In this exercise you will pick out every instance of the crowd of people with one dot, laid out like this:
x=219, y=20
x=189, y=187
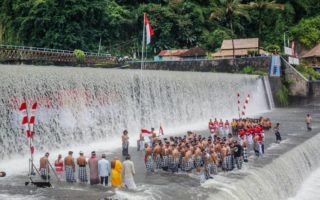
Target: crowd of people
x=225, y=149
x=99, y=170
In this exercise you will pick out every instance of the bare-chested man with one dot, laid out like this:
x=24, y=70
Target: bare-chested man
x=69, y=167
x=82, y=170
x=44, y=167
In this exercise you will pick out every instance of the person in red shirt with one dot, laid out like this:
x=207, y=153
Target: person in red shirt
x=58, y=165
x=221, y=124
x=215, y=125
x=227, y=127
x=211, y=126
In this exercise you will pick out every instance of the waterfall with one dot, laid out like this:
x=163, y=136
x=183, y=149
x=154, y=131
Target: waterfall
x=278, y=178
x=77, y=105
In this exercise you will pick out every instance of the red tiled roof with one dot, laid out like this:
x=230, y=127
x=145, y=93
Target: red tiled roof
x=177, y=52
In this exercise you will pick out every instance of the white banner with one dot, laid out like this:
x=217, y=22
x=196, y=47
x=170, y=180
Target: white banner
x=288, y=51
x=294, y=61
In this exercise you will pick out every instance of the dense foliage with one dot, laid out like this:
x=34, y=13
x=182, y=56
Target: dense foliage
x=79, y=24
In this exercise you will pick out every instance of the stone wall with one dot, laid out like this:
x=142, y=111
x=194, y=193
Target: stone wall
x=207, y=65
x=299, y=85
x=315, y=88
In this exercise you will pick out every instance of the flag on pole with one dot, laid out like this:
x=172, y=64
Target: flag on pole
x=145, y=131
x=149, y=30
x=161, y=130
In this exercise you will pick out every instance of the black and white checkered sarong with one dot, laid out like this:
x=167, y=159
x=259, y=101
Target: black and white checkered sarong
x=149, y=164
x=82, y=174
x=245, y=154
x=70, y=174
x=157, y=160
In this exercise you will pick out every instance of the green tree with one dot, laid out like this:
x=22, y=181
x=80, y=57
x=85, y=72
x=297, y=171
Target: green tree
x=227, y=11
x=262, y=6
x=307, y=31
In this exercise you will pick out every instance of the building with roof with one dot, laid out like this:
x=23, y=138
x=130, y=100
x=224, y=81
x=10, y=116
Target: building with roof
x=181, y=54
x=312, y=56
x=243, y=48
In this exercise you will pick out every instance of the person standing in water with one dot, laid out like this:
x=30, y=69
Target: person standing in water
x=82, y=170
x=44, y=167
x=125, y=143
x=93, y=165
x=104, y=170
x=308, y=121
x=70, y=167
x=116, y=177
x=58, y=165
x=277, y=133
x=129, y=172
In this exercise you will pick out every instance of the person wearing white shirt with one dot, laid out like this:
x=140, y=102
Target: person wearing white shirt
x=129, y=172
x=104, y=169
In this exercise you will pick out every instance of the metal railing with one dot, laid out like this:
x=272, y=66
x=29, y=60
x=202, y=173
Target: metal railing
x=51, y=50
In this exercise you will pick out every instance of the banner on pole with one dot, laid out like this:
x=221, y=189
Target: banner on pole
x=288, y=51
x=294, y=61
x=275, y=66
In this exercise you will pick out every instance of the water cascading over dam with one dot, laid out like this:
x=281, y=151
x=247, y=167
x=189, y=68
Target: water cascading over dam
x=86, y=104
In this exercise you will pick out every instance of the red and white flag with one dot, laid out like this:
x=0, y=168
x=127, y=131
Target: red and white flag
x=161, y=130
x=149, y=30
x=145, y=131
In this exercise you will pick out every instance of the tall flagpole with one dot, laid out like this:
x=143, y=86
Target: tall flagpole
x=142, y=64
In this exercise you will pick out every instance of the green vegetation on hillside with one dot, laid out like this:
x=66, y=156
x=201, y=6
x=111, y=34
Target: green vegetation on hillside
x=79, y=24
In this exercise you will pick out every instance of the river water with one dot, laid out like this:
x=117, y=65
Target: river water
x=86, y=109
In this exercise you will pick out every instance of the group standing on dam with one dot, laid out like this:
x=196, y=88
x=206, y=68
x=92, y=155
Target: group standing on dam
x=226, y=148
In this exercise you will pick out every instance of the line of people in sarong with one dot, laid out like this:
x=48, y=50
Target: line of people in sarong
x=100, y=170
x=206, y=155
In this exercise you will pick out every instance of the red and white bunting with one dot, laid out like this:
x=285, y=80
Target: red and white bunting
x=25, y=120
x=245, y=105
x=28, y=122
x=32, y=117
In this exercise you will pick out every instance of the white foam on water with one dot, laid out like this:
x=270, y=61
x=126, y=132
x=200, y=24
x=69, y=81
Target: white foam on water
x=21, y=197
x=310, y=188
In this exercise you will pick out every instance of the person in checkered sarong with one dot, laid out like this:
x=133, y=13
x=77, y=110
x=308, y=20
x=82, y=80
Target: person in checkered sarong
x=165, y=160
x=149, y=160
x=157, y=160
x=44, y=167
x=82, y=168
x=173, y=163
x=69, y=168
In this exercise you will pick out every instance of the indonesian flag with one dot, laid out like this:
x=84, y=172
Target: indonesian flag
x=145, y=131
x=149, y=30
x=161, y=130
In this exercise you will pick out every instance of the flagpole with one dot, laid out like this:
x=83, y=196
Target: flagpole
x=31, y=156
x=142, y=63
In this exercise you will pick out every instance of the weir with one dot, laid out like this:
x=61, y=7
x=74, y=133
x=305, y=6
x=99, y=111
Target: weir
x=279, y=176
x=83, y=105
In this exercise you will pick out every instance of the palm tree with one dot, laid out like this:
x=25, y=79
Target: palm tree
x=226, y=11
x=261, y=6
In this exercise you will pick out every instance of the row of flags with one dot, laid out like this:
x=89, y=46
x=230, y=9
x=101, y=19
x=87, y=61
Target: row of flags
x=244, y=107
